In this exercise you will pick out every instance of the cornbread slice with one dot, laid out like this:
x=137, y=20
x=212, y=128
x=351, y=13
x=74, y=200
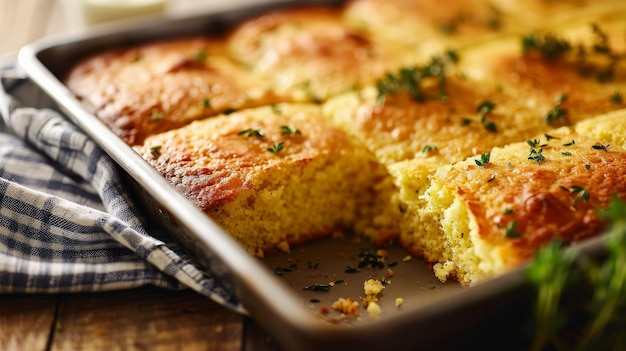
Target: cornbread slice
x=485, y=217
x=271, y=176
x=470, y=118
x=310, y=53
x=153, y=87
x=566, y=73
x=430, y=27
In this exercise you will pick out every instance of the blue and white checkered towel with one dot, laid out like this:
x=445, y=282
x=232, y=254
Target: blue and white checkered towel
x=66, y=222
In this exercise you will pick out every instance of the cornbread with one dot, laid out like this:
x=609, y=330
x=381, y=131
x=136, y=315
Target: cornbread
x=472, y=118
x=271, y=176
x=472, y=135
x=310, y=54
x=482, y=219
x=430, y=27
x=563, y=68
x=141, y=90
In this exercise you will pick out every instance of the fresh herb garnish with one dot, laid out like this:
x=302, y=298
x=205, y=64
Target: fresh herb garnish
x=288, y=130
x=601, y=147
x=206, y=102
x=276, y=147
x=201, y=55
x=595, y=318
x=550, y=137
x=429, y=148
x=276, y=109
x=252, y=132
x=581, y=193
x=511, y=230
x=369, y=257
x=617, y=97
x=535, y=154
x=155, y=150
x=280, y=271
x=484, y=108
x=409, y=79
x=351, y=269
x=548, y=45
x=318, y=287
x=558, y=115
x=484, y=159
x=156, y=115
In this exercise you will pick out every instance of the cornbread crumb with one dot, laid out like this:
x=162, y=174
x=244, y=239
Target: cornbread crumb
x=399, y=301
x=347, y=306
x=373, y=309
x=373, y=287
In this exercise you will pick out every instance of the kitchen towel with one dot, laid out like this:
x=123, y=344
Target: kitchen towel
x=66, y=221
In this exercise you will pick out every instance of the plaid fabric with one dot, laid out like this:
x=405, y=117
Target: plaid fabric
x=66, y=222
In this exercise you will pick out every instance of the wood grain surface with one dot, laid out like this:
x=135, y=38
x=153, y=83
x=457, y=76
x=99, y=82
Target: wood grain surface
x=147, y=318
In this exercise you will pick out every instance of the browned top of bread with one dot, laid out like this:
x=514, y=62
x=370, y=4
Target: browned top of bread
x=215, y=160
x=522, y=199
x=310, y=53
x=471, y=118
x=142, y=90
x=557, y=69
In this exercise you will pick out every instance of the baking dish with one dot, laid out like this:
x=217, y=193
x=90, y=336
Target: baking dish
x=274, y=289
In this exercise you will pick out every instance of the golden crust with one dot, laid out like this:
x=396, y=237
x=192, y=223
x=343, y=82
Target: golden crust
x=431, y=27
x=154, y=87
x=310, y=53
x=587, y=82
x=441, y=130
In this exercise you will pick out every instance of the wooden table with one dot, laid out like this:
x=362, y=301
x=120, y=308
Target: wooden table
x=147, y=318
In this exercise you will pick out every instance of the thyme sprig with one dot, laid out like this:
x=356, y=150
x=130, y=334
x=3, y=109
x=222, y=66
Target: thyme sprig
x=484, y=108
x=535, y=154
x=552, y=47
x=484, y=159
x=557, y=114
x=410, y=79
x=593, y=320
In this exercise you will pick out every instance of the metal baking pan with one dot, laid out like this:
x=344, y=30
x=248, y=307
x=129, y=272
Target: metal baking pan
x=492, y=315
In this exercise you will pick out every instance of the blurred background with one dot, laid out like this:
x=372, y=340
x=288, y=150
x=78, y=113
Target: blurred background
x=23, y=21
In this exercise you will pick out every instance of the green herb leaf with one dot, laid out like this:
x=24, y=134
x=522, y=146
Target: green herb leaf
x=288, y=130
x=511, y=230
x=601, y=147
x=429, y=148
x=548, y=45
x=581, y=193
x=484, y=159
x=252, y=132
x=276, y=147
x=617, y=98
x=155, y=150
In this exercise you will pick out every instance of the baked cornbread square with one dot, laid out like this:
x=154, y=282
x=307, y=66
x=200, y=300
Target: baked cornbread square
x=311, y=53
x=455, y=117
x=431, y=27
x=488, y=214
x=566, y=73
x=271, y=176
x=153, y=87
